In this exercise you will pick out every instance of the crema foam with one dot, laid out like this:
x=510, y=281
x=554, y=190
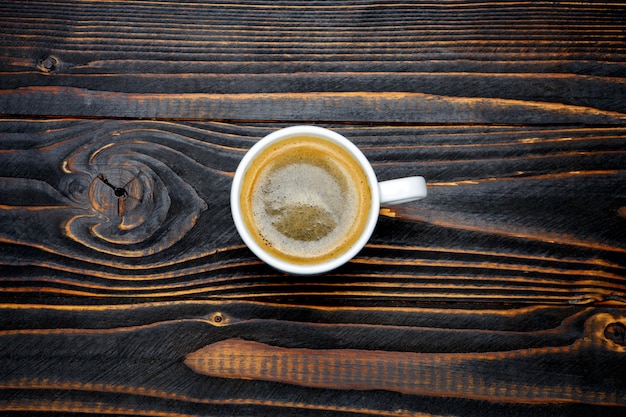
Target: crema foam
x=305, y=199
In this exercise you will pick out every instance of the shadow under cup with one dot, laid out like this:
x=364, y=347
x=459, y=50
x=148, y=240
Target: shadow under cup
x=305, y=200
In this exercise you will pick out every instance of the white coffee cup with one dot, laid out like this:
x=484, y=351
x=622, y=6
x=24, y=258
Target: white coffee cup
x=384, y=193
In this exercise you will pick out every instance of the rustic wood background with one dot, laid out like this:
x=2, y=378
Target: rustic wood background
x=501, y=294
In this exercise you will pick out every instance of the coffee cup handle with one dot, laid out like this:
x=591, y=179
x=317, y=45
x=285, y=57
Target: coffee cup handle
x=402, y=190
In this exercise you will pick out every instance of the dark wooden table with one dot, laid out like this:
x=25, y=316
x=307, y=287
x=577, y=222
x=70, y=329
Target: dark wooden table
x=501, y=294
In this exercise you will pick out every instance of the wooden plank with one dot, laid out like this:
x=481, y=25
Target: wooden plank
x=130, y=359
x=514, y=215
x=306, y=107
x=449, y=62
x=256, y=31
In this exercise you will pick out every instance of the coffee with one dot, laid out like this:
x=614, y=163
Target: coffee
x=305, y=199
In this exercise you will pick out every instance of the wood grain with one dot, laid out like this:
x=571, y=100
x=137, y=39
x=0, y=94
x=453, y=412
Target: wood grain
x=131, y=357
x=539, y=297
x=502, y=293
x=568, y=249
x=473, y=375
x=447, y=62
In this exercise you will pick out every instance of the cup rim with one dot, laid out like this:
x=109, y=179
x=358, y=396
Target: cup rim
x=290, y=267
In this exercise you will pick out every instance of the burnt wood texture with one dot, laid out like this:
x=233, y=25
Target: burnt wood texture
x=125, y=289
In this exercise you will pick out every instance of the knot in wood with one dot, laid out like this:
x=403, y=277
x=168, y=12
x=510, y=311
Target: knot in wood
x=48, y=64
x=219, y=319
x=138, y=205
x=616, y=332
